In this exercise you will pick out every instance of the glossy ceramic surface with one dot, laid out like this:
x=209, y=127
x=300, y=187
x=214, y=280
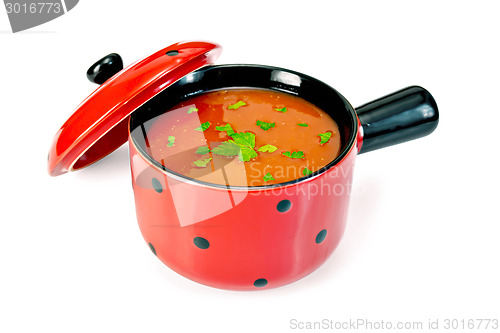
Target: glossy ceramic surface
x=243, y=238
x=404, y=115
x=105, y=68
x=231, y=237
x=99, y=124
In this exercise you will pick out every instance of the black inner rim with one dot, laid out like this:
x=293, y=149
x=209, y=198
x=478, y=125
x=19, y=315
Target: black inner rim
x=249, y=76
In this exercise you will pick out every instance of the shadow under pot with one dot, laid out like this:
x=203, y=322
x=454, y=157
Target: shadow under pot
x=232, y=235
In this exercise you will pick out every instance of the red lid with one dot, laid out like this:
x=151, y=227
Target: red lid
x=99, y=124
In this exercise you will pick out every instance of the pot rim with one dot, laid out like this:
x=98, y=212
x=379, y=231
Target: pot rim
x=348, y=147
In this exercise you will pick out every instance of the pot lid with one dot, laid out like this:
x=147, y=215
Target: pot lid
x=99, y=125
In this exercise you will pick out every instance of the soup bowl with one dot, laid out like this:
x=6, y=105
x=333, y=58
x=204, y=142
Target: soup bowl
x=225, y=236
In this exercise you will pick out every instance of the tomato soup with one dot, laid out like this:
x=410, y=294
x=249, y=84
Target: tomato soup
x=244, y=137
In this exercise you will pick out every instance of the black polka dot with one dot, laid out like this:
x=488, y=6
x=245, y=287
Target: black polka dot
x=152, y=248
x=259, y=283
x=157, y=185
x=320, y=237
x=201, y=242
x=283, y=205
x=172, y=53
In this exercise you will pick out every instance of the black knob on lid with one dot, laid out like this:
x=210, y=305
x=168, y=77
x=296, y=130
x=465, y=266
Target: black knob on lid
x=105, y=68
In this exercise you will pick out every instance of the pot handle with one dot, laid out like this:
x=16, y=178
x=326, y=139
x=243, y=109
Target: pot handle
x=404, y=115
x=105, y=68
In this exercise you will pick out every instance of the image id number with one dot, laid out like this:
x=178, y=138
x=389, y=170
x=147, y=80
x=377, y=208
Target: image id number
x=471, y=324
x=33, y=8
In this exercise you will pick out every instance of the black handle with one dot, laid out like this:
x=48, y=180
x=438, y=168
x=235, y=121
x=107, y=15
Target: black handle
x=404, y=115
x=105, y=68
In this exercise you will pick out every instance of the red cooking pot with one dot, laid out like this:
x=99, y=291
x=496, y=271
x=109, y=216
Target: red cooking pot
x=230, y=237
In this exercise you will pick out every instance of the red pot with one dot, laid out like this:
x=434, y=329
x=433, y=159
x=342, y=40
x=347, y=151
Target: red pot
x=231, y=237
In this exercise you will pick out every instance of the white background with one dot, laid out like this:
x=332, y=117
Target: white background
x=423, y=239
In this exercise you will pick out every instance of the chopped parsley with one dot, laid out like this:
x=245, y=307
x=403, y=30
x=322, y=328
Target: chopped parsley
x=281, y=109
x=244, y=139
x=242, y=145
x=226, y=128
x=306, y=171
x=203, y=127
x=193, y=109
x=294, y=154
x=236, y=105
x=227, y=148
x=264, y=125
x=268, y=177
x=202, y=163
x=325, y=137
x=302, y=124
x=202, y=150
x=246, y=154
x=171, y=141
x=268, y=149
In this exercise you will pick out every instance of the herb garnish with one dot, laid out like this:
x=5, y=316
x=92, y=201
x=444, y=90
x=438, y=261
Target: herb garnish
x=268, y=148
x=236, y=105
x=242, y=145
x=303, y=124
x=306, y=171
x=227, y=148
x=265, y=125
x=203, y=127
x=246, y=141
x=281, y=110
x=294, y=154
x=202, y=150
x=246, y=154
x=202, y=163
x=192, y=109
x=226, y=128
x=171, y=141
x=325, y=137
x=268, y=177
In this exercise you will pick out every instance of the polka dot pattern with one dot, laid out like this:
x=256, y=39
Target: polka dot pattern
x=201, y=242
x=152, y=248
x=284, y=205
x=157, y=185
x=259, y=283
x=320, y=237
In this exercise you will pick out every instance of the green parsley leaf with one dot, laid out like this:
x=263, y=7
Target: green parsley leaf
x=303, y=124
x=268, y=177
x=227, y=148
x=306, y=172
x=171, y=141
x=191, y=110
x=244, y=139
x=281, y=110
x=230, y=148
x=295, y=154
x=202, y=163
x=202, y=150
x=236, y=105
x=246, y=154
x=264, y=125
x=242, y=145
x=268, y=148
x=325, y=137
x=203, y=127
x=226, y=128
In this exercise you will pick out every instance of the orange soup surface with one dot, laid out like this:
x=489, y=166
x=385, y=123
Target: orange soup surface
x=244, y=137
